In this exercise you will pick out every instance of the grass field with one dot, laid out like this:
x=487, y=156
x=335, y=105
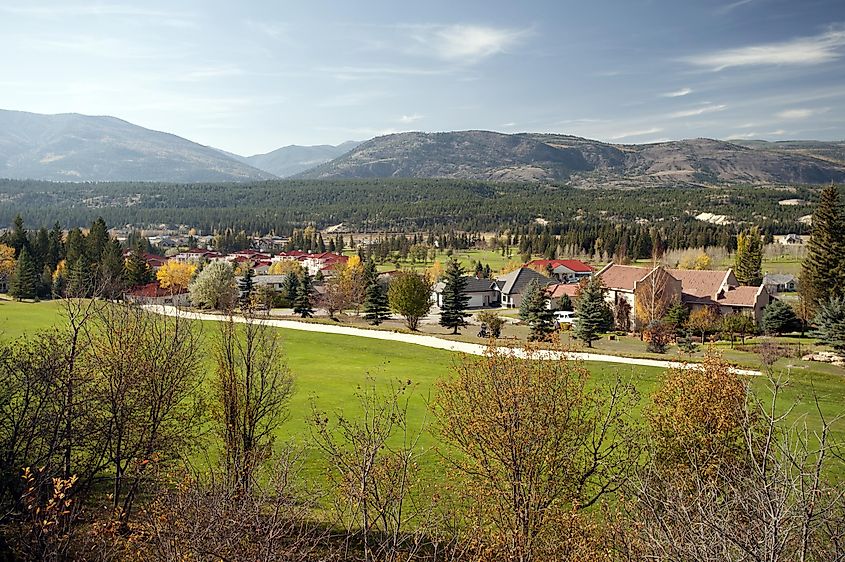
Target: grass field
x=329, y=368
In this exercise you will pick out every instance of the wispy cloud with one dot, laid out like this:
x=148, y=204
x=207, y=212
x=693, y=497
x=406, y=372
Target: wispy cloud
x=677, y=93
x=818, y=49
x=632, y=134
x=465, y=43
x=406, y=119
x=700, y=110
x=728, y=8
x=800, y=113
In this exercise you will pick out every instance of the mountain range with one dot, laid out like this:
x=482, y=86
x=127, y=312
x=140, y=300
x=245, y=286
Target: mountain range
x=73, y=147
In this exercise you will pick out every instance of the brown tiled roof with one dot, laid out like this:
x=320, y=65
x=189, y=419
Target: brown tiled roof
x=740, y=296
x=574, y=265
x=622, y=276
x=699, y=284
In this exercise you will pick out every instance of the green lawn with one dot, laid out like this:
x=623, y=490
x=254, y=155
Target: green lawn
x=330, y=368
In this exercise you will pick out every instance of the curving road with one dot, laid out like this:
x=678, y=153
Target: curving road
x=427, y=341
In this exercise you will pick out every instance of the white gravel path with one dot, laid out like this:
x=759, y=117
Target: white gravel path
x=427, y=341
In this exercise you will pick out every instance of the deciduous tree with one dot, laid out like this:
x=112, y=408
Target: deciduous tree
x=214, y=287
x=409, y=295
x=748, y=262
x=175, y=275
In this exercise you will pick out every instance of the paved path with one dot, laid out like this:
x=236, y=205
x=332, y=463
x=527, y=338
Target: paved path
x=427, y=341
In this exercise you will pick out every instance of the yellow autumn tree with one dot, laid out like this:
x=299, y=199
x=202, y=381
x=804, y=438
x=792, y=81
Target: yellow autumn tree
x=284, y=267
x=435, y=272
x=7, y=260
x=175, y=275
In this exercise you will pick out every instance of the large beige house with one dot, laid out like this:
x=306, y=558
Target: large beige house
x=695, y=288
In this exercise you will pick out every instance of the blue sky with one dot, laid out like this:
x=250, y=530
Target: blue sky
x=250, y=77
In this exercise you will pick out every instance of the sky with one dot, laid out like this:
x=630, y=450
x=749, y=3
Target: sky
x=252, y=76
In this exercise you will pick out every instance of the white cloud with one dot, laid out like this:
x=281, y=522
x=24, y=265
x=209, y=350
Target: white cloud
x=465, y=43
x=800, y=113
x=707, y=108
x=640, y=133
x=728, y=8
x=677, y=93
x=410, y=118
x=818, y=49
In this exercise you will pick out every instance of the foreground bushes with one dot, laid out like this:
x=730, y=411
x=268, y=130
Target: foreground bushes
x=99, y=423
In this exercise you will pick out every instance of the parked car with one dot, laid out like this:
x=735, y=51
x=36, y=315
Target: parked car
x=565, y=316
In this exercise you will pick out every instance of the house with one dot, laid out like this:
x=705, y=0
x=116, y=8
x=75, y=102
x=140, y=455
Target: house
x=154, y=261
x=696, y=288
x=275, y=282
x=511, y=286
x=623, y=282
x=196, y=256
x=556, y=291
x=780, y=283
x=325, y=262
x=153, y=293
x=791, y=239
x=565, y=271
x=481, y=292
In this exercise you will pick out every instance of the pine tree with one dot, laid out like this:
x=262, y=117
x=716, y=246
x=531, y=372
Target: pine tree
x=45, y=283
x=290, y=287
x=748, y=265
x=593, y=314
x=376, y=307
x=533, y=311
x=110, y=271
x=823, y=270
x=780, y=318
x=137, y=271
x=24, y=282
x=246, y=286
x=830, y=323
x=302, y=302
x=455, y=300
x=80, y=282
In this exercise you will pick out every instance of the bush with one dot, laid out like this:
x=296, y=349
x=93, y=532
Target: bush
x=657, y=335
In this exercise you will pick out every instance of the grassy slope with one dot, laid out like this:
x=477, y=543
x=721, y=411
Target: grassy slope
x=330, y=367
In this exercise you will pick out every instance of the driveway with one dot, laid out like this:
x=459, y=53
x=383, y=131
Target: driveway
x=429, y=341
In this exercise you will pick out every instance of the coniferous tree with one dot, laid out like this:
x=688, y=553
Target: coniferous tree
x=55, y=248
x=830, y=323
x=110, y=271
x=748, y=264
x=593, y=314
x=45, y=283
x=24, y=282
x=780, y=318
x=80, y=282
x=376, y=306
x=246, y=286
x=137, y=271
x=453, y=312
x=290, y=287
x=533, y=311
x=823, y=269
x=302, y=302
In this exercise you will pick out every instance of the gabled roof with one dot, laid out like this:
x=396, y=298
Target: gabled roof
x=516, y=280
x=779, y=279
x=558, y=290
x=622, y=277
x=573, y=265
x=701, y=284
x=740, y=296
x=474, y=285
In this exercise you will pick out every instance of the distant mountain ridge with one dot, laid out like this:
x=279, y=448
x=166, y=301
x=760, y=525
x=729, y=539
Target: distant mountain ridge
x=74, y=147
x=486, y=155
x=291, y=160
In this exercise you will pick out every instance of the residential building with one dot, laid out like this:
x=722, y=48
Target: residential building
x=153, y=293
x=511, y=286
x=780, y=283
x=564, y=271
x=696, y=288
x=481, y=292
x=791, y=239
x=558, y=290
